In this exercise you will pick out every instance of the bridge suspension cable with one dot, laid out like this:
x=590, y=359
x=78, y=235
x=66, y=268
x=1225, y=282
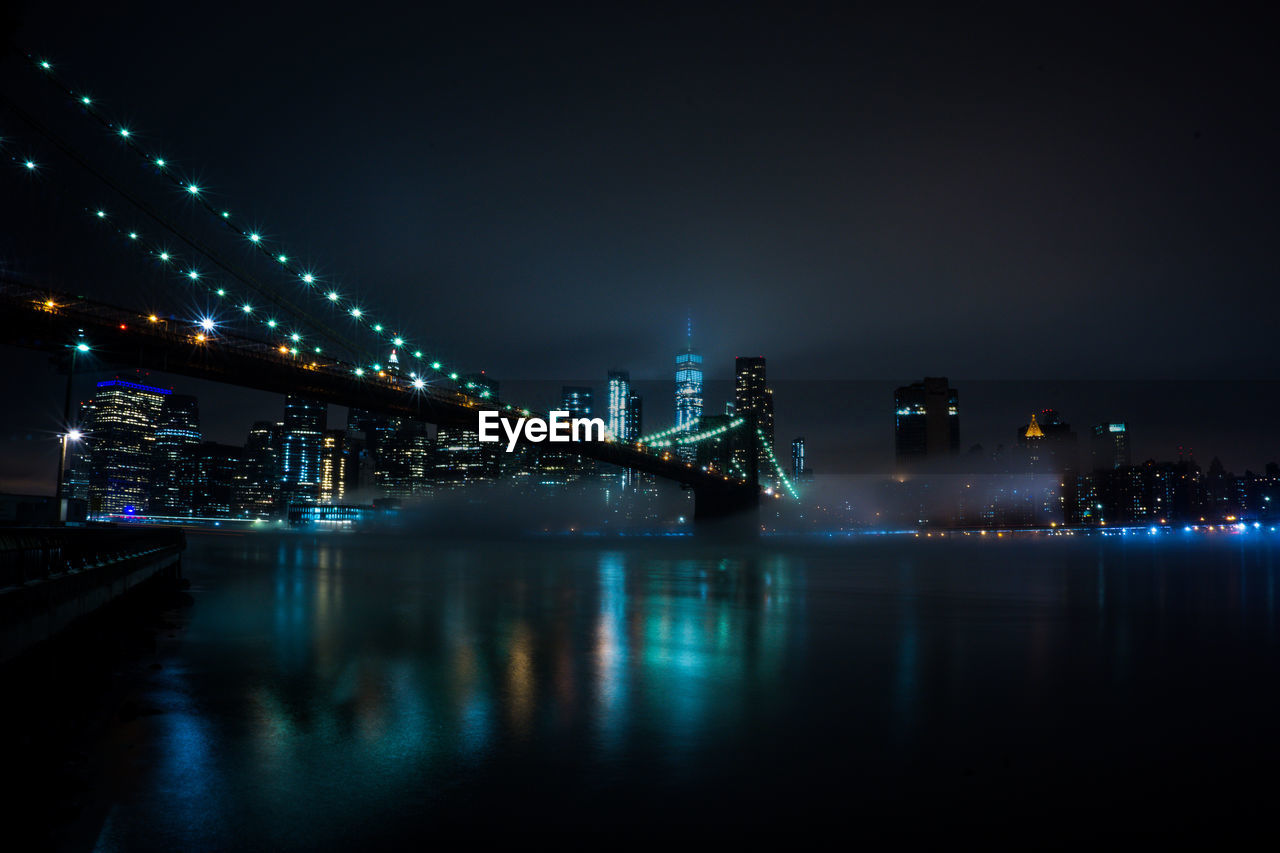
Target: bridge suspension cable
x=273, y=250
x=163, y=253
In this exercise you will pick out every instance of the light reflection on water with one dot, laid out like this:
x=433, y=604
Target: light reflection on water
x=331, y=690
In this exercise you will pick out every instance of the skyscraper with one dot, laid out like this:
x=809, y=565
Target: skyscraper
x=754, y=401
x=618, y=422
x=257, y=480
x=688, y=388
x=208, y=478
x=1110, y=446
x=1047, y=441
x=368, y=437
x=552, y=467
x=122, y=433
x=926, y=420
x=177, y=429
x=797, y=457
x=635, y=417
x=333, y=466
x=304, y=423
x=460, y=458
x=404, y=460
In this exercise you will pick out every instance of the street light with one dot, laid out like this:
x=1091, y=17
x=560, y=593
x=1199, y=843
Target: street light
x=61, y=501
x=72, y=434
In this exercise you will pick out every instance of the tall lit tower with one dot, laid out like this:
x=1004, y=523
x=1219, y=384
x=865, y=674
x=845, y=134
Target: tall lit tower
x=753, y=400
x=688, y=389
x=797, y=458
x=301, y=448
x=177, y=430
x=619, y=422
x=926, y=420
x=122, y=426
x=688, y=386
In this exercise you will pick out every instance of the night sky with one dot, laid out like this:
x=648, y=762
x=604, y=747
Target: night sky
x=1028, y=202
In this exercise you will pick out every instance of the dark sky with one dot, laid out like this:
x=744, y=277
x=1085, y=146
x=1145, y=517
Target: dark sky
x=863, y=196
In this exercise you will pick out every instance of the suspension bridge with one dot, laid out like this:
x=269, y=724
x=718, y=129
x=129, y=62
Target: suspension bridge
x=280, y=334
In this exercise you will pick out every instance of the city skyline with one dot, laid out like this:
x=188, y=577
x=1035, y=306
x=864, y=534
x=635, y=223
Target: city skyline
x=628, y=419
x=1172, y=415
x=140, y=451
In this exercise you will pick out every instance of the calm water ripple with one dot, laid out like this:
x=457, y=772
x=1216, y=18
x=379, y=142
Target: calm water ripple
x=337, y=692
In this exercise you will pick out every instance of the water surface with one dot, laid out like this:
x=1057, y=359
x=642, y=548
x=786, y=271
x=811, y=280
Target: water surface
x=331, y=692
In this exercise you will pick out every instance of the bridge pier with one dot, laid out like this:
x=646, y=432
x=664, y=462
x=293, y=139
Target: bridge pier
x=711, y=502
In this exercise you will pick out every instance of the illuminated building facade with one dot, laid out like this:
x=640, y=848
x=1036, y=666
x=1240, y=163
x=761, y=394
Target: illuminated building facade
x=753, y=400
x=333, y=466
x=208, y=479
x=368, y=436
x=688, y=389
x=619, y=421
x=798, y=468
x=1047, y=442
x=257, y=482
x=635, y=416
x=177, y=430
x=1110, y=446
x=926, y=420
x=304, y=424
x=404, y=460
x=548, y=467
x=121, y=437
x=460, y=458
x=576, y=400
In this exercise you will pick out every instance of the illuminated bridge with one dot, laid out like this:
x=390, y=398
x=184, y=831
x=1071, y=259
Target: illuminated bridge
x=277, y=333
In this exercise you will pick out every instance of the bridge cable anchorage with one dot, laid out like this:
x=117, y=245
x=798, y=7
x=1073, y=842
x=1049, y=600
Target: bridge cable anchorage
x=281, y=259
x=195, y=244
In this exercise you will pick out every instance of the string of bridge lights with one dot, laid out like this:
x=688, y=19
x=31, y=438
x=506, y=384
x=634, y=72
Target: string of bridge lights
x=272, y=250
x=188, y=272
x=660, y=440
x=656, y=439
